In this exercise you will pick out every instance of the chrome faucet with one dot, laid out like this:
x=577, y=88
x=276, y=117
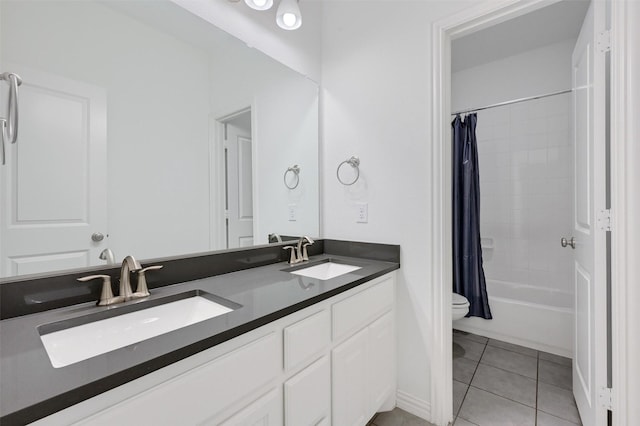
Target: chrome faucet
x=129, y=264
x=299, y=252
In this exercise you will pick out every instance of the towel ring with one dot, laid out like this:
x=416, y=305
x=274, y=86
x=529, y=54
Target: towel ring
x=353, y=162
x=295, y=169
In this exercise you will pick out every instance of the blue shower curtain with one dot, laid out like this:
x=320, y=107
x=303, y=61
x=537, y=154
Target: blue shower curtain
x=468, y=275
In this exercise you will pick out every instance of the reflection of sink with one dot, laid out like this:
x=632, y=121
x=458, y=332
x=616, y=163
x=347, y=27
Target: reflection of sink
x=326, y=270
x=77, y=339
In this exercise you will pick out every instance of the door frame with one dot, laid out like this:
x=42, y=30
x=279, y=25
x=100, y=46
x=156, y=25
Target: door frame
x=468, y=21
x=625, y=210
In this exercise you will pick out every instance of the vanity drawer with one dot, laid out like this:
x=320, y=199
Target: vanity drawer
x=201, y=393
x=305, y=339
x=359, y=310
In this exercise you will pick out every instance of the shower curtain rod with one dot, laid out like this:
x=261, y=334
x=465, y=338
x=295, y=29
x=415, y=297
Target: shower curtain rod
x=515, y=101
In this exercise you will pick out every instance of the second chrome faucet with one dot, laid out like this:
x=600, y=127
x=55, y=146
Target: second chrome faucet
x=299, y=252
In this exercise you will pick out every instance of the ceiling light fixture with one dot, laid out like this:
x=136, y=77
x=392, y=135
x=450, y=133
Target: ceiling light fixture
x=288, y=16
x=259, y=4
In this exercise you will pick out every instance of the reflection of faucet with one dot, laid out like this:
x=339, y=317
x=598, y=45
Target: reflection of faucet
x=129, y=264
x=274, y=238
x=304, y=286
x=107, y=254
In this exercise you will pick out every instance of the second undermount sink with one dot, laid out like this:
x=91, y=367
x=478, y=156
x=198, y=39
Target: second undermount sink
x=326, y=270
x=71, y=341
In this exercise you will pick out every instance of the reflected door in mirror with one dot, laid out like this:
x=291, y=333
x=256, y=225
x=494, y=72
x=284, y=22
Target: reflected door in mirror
x=239, y=177
x=54, y=186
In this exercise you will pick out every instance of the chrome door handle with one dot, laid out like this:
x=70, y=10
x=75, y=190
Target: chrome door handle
x=97, y=236
x=564, y=242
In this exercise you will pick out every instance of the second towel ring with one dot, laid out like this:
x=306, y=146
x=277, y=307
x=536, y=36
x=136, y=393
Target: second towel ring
x=353, y=162
x=295, y=169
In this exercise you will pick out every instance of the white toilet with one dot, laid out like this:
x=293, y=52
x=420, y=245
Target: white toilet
x=459, y=306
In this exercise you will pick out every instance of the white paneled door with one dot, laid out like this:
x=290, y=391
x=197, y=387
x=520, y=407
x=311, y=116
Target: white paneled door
x=53, y=188
x=590, y=365
x=239, y=181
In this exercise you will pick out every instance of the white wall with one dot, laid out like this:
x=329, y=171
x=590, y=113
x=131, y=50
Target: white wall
x=537, y=71
x=376, y=100
x=526, y=165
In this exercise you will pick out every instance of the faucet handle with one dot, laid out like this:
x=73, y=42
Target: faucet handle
x=142, y=289
x=106, y=296
x=293, y=258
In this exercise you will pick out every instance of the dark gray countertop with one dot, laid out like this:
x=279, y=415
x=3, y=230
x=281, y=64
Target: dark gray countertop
x=30, y=388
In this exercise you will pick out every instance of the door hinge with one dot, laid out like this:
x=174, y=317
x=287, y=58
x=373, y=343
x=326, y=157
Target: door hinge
x=604, y=220
x=606, y=398
x=603, y=41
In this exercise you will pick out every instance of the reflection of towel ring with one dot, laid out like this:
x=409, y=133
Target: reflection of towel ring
x=296, y=171
x=353, y=162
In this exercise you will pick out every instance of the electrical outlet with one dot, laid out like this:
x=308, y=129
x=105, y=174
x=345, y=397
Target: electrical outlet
x=362, y=211
x=293, y=212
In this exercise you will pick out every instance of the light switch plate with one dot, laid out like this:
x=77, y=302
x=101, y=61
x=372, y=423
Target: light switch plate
x=362, y=211
x=293, y=213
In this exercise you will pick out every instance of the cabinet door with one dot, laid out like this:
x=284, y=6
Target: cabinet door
x=381, y=360
x=266, y=411
x=350, y=401
x=307, y=400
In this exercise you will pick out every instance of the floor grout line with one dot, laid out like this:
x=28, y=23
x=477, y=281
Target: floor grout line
x=516, y=352
x=502, y=396
x=537, y=381
x=508, y=371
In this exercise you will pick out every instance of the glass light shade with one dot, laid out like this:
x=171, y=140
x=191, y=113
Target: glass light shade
x=259, y=4
x=288, y=15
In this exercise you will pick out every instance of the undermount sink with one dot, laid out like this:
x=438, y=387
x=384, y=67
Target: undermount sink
x=326, y=270
x=71, y=341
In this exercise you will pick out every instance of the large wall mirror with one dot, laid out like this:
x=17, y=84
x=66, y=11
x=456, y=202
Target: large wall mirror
x=145, y=130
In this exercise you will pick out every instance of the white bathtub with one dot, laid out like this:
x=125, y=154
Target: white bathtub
x=530, y=316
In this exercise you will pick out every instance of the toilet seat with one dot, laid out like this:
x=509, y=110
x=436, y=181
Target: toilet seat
x=459, y=300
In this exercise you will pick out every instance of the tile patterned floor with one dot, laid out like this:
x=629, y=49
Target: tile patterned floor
x=500, y=384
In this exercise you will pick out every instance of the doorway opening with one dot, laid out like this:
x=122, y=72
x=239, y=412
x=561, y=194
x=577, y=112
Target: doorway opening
x=235, y=164
x=522, y=148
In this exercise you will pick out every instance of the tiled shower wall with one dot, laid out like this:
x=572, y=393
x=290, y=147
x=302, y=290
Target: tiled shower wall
x=526, y=173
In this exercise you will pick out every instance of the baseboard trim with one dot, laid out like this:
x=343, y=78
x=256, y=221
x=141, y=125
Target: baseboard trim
x=416, y=406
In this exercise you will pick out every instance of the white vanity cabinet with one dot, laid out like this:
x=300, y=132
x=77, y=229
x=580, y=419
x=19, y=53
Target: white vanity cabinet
x=330, y=363
x=363, y=364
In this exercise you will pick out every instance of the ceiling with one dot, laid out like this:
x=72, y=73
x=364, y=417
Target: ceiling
x=557, y=22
